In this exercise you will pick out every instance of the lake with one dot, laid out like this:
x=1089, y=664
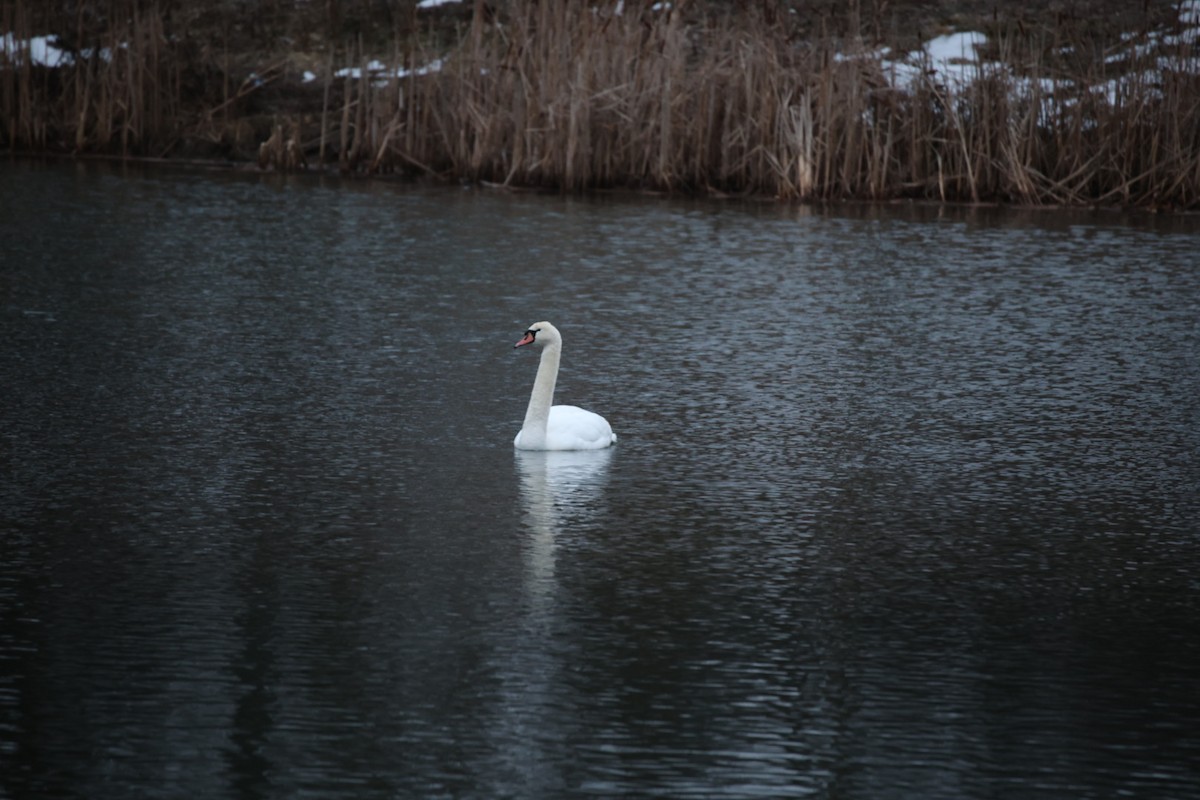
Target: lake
x=905, y=502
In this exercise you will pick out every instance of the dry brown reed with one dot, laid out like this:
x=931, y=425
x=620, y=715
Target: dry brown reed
x=576, y=96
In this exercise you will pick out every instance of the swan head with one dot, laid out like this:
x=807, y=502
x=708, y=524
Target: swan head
x=542, y=334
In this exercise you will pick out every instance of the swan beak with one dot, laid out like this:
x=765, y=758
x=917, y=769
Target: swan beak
x=526, y=339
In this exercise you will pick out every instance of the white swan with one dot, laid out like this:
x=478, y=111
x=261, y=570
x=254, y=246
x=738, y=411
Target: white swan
x=549, y=427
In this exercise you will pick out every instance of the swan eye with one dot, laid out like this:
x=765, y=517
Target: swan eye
x=533, y=331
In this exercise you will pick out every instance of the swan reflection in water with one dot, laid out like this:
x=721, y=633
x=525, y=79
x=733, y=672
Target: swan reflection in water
x=560, y=492
x=532, y=708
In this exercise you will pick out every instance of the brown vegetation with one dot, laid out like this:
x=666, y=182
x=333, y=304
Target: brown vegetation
x=571, y=94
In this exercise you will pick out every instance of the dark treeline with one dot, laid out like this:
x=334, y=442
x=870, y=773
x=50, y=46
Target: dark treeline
x=766, y=98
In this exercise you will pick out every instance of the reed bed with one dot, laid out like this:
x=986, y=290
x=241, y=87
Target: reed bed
x=575, y=96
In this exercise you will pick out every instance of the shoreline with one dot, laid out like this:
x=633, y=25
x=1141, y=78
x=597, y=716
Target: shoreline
x=699, y=103
x=249, y=168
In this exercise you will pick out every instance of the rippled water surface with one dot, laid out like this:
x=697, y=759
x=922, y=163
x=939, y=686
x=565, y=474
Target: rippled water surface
x=905, y=502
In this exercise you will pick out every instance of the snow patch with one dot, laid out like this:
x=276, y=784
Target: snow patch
x=380, y=74
x=42, y=51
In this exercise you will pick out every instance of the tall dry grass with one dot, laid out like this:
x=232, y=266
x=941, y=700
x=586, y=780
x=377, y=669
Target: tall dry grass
x=576, y=96
x=121, y=92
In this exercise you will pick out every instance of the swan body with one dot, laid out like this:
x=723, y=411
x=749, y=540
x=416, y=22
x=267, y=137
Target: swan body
x=551, y=427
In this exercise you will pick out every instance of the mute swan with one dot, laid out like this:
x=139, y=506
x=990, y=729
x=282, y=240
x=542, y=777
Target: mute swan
x=549, y=427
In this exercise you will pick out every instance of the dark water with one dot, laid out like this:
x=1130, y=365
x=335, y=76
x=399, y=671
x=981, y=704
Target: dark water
x=905, y=502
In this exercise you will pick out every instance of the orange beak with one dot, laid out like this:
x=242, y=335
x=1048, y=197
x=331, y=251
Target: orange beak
x=526, y=339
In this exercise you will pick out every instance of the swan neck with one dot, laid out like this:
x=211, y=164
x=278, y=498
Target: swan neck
x=537, y=416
